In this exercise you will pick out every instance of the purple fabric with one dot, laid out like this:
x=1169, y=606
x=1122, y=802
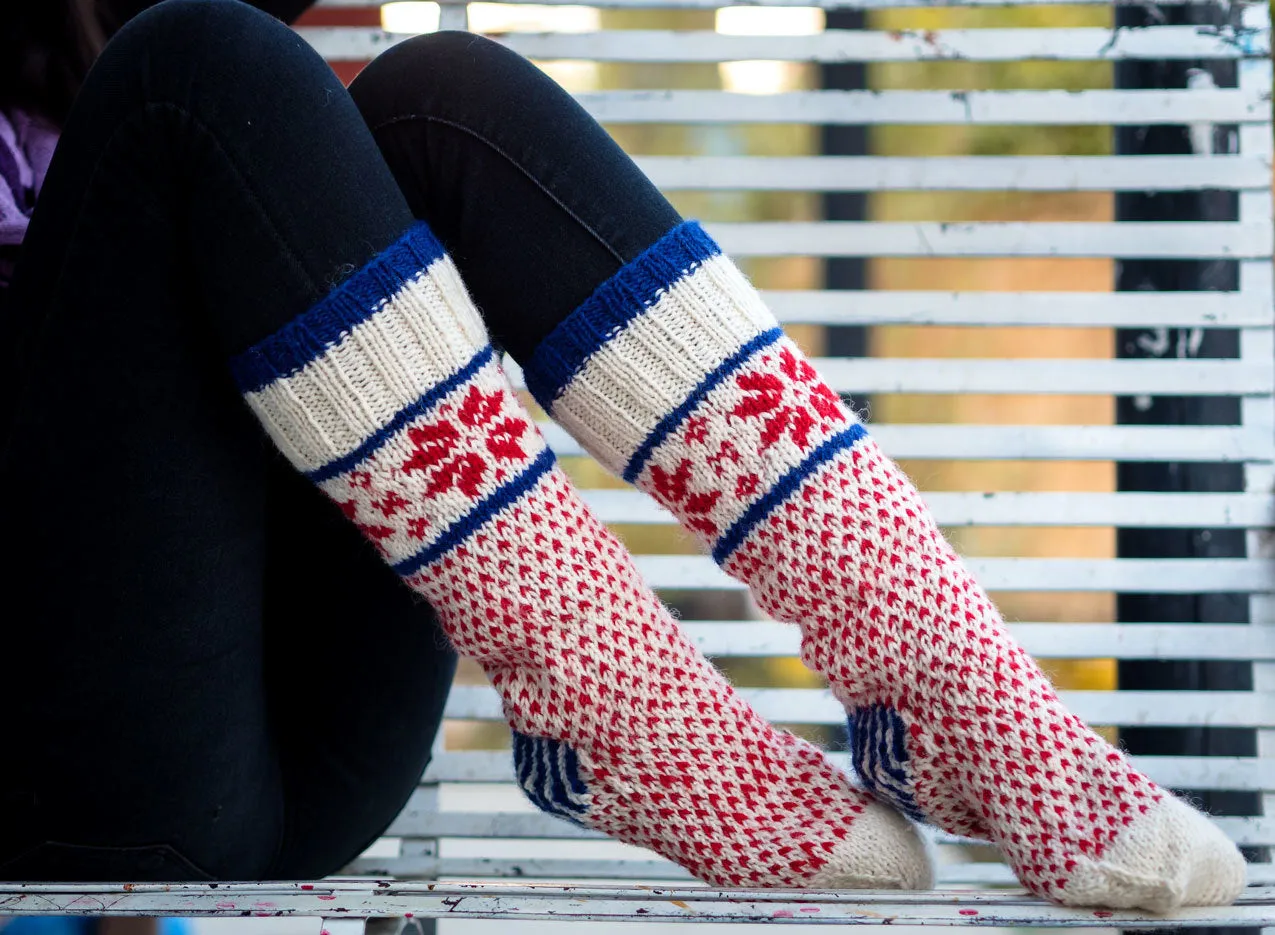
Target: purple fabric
x=26, y=147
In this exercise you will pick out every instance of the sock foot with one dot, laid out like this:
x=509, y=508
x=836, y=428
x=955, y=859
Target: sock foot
x=388, y=396
x=675, y=376
x=1172, y=856
x=885, y=853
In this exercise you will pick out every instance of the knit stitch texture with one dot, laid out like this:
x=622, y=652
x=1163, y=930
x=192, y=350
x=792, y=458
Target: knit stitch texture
x=388, y=396
x=686, y=385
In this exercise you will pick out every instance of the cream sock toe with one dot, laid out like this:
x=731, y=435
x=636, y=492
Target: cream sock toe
x=1170, y=857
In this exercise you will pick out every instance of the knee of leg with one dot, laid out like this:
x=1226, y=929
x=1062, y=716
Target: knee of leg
x=183, y=44
x=458, y=67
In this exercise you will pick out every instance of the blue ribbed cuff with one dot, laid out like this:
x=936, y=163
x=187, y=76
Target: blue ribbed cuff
x=352, y=302
x=637, y=286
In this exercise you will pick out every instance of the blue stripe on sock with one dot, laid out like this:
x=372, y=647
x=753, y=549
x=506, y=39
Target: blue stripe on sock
x=879, y=753
x=623, y=297
x=555, y=786
x=762, y=508
x=484, y=510
x=422, y=404
x=671, y=421
x=522, y=762
x=549, y=774
x=573, y=773
x=352, y=302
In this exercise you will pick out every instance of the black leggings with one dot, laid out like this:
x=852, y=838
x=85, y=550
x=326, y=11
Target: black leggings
x=186, y=697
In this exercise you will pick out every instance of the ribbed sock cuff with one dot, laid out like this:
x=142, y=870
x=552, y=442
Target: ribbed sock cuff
x=366, y=357
x=646, y=343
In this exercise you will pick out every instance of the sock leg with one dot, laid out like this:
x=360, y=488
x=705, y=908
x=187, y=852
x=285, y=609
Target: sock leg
x=675, y=376
x=388, y=397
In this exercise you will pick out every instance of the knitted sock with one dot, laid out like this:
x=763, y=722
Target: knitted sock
x=676, y=377
x=388, y=396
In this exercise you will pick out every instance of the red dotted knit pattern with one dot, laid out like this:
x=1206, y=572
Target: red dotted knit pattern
x=891, y=617
x=580, y=650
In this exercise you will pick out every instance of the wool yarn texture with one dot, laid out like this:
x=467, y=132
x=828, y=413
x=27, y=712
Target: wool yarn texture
x=389, y=397
x=676, y=377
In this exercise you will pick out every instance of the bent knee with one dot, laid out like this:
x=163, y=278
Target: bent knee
x=180, y=43
x=446, y=67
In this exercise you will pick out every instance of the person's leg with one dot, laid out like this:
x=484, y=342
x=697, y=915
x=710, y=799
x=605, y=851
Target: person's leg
x=531, y=197
x=213, y=181
x=648, y=345
x=385, y=393
x=357, y=675
x=676, y=377
x=388, y=396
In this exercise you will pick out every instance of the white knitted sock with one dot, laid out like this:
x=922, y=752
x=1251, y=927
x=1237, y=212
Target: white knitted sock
x=676, y=377
x=388, y=396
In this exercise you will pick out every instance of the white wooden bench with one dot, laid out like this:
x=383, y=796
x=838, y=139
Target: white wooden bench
x=466, y=822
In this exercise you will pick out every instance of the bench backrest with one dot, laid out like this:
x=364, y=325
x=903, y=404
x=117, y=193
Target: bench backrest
x=1020, y=454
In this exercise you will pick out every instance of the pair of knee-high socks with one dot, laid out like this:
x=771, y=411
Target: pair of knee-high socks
x=674, y=375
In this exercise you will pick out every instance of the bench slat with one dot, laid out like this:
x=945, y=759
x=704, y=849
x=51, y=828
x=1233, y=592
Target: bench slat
x=1074, y=377
x=1146, y=576
x=1125, y=708
x=957, y=173
x=372, y=898
x=743, y=638
x=1033, y=309
x=1048, y=442
x=824, y=4
x=1219, y=510
x=1241, y=774
x=412, y=822
x=833, y=45
x=962, y=874
x=541, y=868
x=1152, y=240
x=875, y=45
x=1039, y=108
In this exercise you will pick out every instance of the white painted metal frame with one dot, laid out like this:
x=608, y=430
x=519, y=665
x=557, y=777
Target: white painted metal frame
x=344, y=906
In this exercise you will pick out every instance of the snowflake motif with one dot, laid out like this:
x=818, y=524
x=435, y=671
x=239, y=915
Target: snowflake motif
x=765, y=400
x=435, y=445
x=746, y=485
x=376, y=534
x=391, y=503
x=727, y=454
x=696, y=430
x=675, y=488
